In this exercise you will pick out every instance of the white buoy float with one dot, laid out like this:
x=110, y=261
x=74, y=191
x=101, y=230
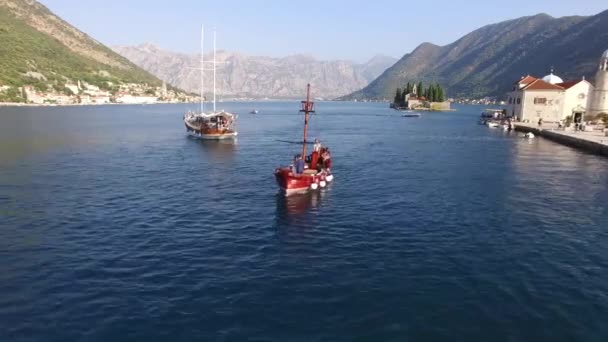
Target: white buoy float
x=322, y=183
x=314, y=186
x=329, y=178
x=529, y=135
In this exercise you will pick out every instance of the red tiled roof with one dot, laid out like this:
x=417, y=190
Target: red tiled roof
x=542, y=85
x=569, y=84
x=527, y=80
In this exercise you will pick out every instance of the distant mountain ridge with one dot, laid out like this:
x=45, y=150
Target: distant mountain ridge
x=258, y=76
x=486, y=61
x=38, y=46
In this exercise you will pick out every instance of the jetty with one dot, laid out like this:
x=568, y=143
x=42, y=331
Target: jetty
x=594, y=141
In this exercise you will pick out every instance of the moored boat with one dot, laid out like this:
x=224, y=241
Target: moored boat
x=492, y=114
x=255, y=111
x=411, y=115
x=307, y=172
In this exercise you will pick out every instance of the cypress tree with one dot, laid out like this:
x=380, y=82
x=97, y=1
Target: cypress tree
x=433, y=92
x=408, y=88
x=398, y=96
x=420, y=90
x=440, y=95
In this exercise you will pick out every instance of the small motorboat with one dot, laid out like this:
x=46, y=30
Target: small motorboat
x=492, y=124
x=411, y=115
x=255, y=111
x=529, y=135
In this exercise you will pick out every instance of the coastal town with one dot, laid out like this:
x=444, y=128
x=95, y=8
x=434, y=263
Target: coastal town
x=83, y=93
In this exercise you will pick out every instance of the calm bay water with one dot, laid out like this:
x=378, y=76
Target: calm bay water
x=115, y=226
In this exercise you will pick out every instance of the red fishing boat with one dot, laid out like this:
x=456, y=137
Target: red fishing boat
x=308, y=172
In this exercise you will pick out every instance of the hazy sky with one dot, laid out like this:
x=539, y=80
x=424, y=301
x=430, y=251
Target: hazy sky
x=327, y=29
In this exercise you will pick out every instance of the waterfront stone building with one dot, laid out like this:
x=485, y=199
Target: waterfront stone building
x=552, y=99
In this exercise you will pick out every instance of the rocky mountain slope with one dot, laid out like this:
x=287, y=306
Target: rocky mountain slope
x=258, y=77
x=36, y=46
x=487, y=60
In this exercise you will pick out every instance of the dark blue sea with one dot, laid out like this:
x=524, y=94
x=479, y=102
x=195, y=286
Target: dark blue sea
x=116, y=226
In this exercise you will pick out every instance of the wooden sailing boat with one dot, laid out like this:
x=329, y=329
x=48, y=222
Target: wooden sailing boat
x=316, y=173
x=214, y=125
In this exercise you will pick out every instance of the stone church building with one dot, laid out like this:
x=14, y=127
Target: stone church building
x=552, y=99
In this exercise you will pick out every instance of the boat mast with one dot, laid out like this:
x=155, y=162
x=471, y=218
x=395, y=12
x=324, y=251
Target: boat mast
x=307, y=107
x=202, y=66
x=214, y=65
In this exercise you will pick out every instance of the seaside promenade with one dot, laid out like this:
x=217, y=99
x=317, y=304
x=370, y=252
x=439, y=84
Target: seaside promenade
x=591, y=140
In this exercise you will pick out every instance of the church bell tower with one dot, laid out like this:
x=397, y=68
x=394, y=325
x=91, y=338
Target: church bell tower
x=599, y=102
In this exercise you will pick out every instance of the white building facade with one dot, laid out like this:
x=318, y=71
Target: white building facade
x=552, y=99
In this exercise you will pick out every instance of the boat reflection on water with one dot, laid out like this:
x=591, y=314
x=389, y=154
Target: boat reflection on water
x=217, y=149
x=290, y=207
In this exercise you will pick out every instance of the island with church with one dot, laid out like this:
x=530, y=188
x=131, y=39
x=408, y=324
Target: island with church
x=417, y=97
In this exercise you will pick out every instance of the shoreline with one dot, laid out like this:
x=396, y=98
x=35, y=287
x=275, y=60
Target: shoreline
x=590, y=141
x=20, y=104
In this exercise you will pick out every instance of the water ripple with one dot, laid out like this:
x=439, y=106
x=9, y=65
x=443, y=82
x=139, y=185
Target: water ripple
x=435, y=229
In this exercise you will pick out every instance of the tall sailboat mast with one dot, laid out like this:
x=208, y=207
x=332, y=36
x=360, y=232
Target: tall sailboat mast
x=214, y=67
x=202, y=68
x=307, y=107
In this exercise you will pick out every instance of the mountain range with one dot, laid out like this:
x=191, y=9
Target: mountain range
x=241, y=75
x=488, y=60
x=36, y=46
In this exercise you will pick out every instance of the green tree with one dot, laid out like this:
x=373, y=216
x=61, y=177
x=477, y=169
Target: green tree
x=433, y=92
x=420, y=90
x=398, y=96
x=440, y=94
x=408, y=88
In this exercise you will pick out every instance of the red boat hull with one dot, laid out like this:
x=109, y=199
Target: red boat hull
x=291, y=183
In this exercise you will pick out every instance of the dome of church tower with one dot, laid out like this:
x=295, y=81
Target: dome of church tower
x=553, y=79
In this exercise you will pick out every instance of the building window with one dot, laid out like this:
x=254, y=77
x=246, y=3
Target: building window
x=518, y=100
x=510, y=100
x=540, y=100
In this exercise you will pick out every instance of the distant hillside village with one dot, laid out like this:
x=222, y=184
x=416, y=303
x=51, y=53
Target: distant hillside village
x=416, y=96
x=86, y=93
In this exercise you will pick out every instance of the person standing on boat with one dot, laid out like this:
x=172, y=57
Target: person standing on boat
x=298, y=165
x=540, y=123
x=326, y=160
x=315, y=154
x=317, y=146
